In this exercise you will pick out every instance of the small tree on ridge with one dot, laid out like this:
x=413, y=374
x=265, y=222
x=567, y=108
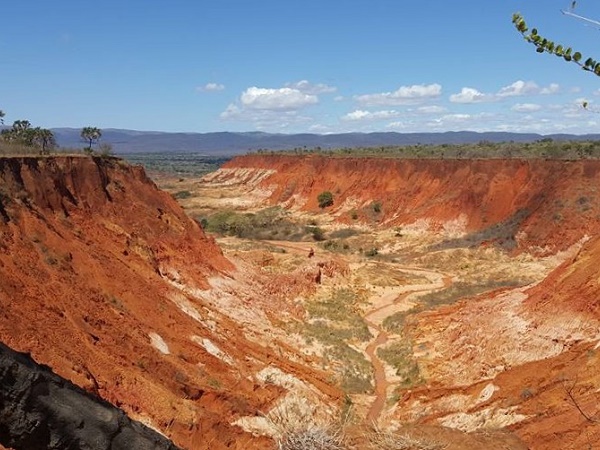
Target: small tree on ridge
x=91, y=136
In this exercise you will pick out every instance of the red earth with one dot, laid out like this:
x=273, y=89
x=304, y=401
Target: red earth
x=105, y=279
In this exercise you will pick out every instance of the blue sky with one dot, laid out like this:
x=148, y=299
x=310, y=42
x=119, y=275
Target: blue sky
x=295, y=66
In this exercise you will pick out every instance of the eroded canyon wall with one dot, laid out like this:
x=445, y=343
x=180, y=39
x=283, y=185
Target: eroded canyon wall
x=545, y=203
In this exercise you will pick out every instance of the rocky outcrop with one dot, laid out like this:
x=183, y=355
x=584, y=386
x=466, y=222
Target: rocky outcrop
x=40, y=410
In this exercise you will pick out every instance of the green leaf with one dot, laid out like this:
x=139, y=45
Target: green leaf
x=577, y=57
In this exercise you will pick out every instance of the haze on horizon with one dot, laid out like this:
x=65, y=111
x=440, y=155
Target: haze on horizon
x=291, y=67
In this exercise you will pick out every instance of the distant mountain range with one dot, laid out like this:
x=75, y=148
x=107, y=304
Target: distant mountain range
x=229, y=143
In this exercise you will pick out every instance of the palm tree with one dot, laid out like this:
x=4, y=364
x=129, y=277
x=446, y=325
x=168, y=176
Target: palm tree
x=19, y=126
x=45, y=139
x=91, y=135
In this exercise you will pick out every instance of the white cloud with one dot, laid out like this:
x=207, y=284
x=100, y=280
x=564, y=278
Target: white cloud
x=401, y=125
x=519, y=88
x=231, y=112
x=319, y=128
x=282, y=99
x=516, y=89
x=553, y=88
x=471, y=95
x=308, y=88
x=339, y=98
x=404, y=95
x=211, y=87
x=434, y=109
x=367, y=115
x=268, y=109
x=456, y=117
x=284, y=121
x=526, y=107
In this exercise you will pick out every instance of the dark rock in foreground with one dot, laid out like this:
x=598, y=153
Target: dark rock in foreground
x=40, y=410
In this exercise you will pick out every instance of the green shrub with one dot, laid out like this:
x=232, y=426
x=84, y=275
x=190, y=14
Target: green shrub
x=317, y=233
x=182, y=194
x=325, y=199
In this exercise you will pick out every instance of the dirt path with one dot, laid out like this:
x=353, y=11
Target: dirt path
x=386, y=305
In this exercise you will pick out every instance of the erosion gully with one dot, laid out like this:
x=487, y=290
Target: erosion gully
x=387, y=305
x=396, y=299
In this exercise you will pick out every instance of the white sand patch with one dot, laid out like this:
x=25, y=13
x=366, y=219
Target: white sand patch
x=418, y=227
x=486, y=418
x=295, y=202
x=186, y=306
x=211, y=348
x=487, y=393
x=158, y=343
x=246, y=176
x=455, y=228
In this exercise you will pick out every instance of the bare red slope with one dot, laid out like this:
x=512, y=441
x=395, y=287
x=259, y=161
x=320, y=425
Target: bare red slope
x=90, y=256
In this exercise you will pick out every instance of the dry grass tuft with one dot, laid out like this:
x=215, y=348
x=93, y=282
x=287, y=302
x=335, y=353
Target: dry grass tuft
x=387, y=440
x=299, y=429
x=312, y=438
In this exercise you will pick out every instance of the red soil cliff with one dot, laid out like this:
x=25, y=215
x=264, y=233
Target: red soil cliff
x=544, y=202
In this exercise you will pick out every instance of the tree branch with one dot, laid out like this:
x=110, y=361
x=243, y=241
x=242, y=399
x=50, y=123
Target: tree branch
x=543, y=44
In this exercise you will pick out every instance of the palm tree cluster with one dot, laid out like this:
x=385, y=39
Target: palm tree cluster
x=22, y=133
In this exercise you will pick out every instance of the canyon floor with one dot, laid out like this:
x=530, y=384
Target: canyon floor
x=413, y=331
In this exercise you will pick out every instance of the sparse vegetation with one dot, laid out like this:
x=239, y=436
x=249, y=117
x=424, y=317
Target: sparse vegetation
x=268, y=224
x=502, y=234
x=545, y=148
x=399, y=355
x=462, y=289
x=105, y=150
x=335, y=322
x=182, y=194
